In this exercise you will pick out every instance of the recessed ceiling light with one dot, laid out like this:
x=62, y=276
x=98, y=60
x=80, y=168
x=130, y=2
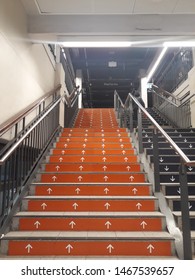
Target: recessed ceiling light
x=180, y=44
x=96, y=44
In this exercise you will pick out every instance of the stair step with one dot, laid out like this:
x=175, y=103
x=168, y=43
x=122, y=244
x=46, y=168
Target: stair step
x=92, y=152
x=92, y=177
x=52, y=203
x=108, y=167
x=89, y=243
x=92, y=159
x=86, y=223
x=114, y=190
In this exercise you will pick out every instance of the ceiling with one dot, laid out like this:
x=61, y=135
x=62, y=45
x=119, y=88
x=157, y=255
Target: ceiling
x=146, y=23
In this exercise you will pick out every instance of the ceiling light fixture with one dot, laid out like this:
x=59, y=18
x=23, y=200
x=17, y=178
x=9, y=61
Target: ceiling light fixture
x=179, y=44
x=156, y=64
x=92, y=44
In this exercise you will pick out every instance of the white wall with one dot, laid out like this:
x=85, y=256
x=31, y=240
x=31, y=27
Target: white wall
x=26, y=70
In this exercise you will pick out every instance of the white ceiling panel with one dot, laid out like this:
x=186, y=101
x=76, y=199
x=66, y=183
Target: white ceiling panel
x=113, y=7
x=154, y=6
x=85, y=6
x=185, y=6
x=65, y=6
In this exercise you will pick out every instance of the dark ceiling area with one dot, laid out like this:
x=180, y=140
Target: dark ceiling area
x=108, y=69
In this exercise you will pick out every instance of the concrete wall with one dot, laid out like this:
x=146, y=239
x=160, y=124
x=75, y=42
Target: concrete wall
x=27, y=71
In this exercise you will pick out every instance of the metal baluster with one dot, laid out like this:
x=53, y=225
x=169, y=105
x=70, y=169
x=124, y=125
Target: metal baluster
x=185, y=212
x=139, y=118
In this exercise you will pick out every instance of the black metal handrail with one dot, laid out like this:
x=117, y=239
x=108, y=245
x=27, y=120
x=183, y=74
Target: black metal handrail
x=22, y=154
x=185, y=161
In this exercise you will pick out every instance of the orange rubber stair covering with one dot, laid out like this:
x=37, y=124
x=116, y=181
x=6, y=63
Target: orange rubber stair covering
x=95, y=139
x=92, y=167
x=88, y=177
x=100, y=159
x=98, y=130
x=94, y=134
x=90, y=248
x=92, y=145
x=91, y=224
x=93, y=190
x=92, y=205
x=92, y=152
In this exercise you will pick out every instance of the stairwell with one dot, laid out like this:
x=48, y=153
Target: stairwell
x=91, y=198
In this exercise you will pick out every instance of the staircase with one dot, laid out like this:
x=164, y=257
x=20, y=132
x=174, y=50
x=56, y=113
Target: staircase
x=169, y=167
x=90, y=198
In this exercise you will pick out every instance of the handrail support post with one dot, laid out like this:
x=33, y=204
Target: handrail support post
x=156, y=161
x=139, y=122
x=187, y=248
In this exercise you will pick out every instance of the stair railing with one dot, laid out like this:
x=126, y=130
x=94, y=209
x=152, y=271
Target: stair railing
x=28, y=138
x=177, y=110
x=71, y=106
x=184, y=162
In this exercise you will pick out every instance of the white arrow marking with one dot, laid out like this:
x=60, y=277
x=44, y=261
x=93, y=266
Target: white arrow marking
x=123, y=152
x=103, y=135
x=120, y=140
x=128, y=167
x=150, y=248
x=189, y=205
x=37, y=224
x=102, y=130
x=105, y=178
x=122, y=146
x=81, y=168
x=138, y=205
x=146, y=135
x=179, y=191
x=75, y=205
x=107, y=205
x=86, y=134
x=104, y=159
x=161, y=159
x=172, y=179
x=69, y=248
x=134, y=191
x=143, y=224
x=69, y=134
x=149, y=141
x=190, y=168
x=185, y=140
x=65, y=145
x=103, y=152
x=166, y=168
x=83, y=152
x=54, y=178
x=180, y=135
x=119, y=135
x=131, y=178
x=125, y=159
x=108, y=224
x=63, y=152
x=43, y=205
x=57, y=167
x=190, y=146
x=60, y=159
x=152, y=146
x=103, y=145
x=84, y=145
x=82, y=159
x=104, y=167
x=106, y=190
x=103, y=140
x=110, y=248
x=118, y=130
x=72, y=224
x=80, y=178
x=49, y=190
x=77, y=190
x=86, y=130
x=68, y=140
x=28, y=247
x=85, y=139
